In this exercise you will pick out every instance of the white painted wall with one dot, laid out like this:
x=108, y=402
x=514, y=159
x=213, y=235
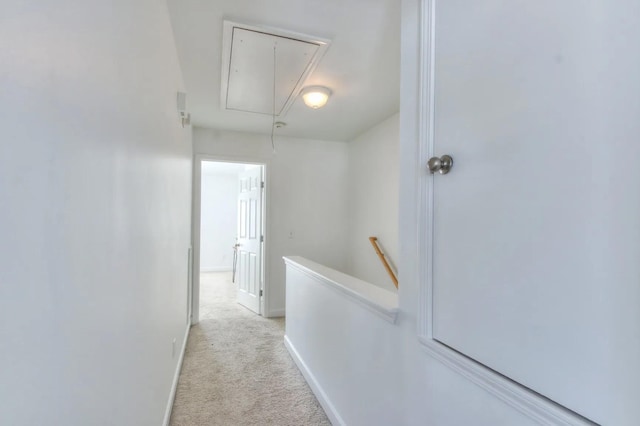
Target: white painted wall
x=306, y=198
x=95, y=189
x=368, y=371
x=373, y=201
x=391, y=379
x=218, y=221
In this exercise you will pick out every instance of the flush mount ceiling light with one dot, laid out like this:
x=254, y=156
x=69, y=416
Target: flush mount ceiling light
x=315, y=96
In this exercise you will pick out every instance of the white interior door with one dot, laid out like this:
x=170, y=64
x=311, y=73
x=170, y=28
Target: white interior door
x=249, y=268
x=537, y=226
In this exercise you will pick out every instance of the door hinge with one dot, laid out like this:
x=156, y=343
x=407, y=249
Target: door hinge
x=260, y=292
x=262, y=238
x=261, y=184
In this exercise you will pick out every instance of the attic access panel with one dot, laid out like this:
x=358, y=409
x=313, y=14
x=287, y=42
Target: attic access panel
x=248, y=67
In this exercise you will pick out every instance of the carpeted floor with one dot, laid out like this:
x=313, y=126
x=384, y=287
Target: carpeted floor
x=236, y=369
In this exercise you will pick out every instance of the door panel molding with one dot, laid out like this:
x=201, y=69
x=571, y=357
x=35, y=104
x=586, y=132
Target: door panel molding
x=250, y=198
x=526, y=401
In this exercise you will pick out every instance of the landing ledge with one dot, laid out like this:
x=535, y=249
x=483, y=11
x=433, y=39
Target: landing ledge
x=378, y=300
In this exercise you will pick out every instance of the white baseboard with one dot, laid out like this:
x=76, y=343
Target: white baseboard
x=317, y=390
x=216, y=269
x=176, y=376
x=276, y=313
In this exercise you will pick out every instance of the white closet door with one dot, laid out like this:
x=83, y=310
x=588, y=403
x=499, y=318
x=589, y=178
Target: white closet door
x=537, y=226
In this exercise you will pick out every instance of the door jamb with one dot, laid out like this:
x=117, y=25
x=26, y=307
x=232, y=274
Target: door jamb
x=195, y=228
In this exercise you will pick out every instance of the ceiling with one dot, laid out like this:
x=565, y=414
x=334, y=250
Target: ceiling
x=361, y=66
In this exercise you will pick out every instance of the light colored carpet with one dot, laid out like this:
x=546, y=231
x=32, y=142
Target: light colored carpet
x=236, y=370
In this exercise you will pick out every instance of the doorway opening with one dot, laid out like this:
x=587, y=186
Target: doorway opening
x=229, y=233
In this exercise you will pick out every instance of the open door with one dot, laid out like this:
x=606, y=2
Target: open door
x=249, y=269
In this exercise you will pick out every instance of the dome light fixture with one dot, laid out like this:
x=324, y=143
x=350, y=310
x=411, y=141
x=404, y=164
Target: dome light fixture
x=315, y=96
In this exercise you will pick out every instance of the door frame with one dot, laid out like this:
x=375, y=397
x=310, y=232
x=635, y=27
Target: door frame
x=195, y=228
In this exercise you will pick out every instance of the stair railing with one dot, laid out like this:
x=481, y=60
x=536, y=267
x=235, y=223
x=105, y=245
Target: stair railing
x=383, y=259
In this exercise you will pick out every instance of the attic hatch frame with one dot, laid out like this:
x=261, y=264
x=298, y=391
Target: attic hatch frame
x=227, y=41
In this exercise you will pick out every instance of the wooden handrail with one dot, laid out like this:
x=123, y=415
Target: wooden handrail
x=383, y=259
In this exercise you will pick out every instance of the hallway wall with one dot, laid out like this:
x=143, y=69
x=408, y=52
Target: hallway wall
x=306, y=198
x=95, y=178
x=218, y=221
x=373, y=201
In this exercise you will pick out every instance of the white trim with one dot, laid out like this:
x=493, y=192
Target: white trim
x=533, y=405
x=276, y=313
x=425, y=150
x=515, y=395
x=196, y=213
x=189, y=282
x=373, y=298
x=176, y=376
x=327, y=406
x=195, y=223
x=217, y=269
